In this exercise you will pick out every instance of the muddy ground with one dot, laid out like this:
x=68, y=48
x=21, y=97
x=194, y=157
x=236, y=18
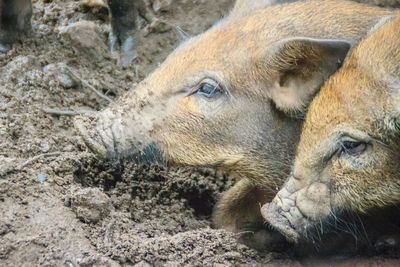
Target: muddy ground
x=59, y=205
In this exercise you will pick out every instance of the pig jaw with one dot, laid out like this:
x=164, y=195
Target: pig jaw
x=296, y=209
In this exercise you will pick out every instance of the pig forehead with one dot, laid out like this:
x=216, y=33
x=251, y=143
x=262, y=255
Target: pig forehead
x=221, y=47
x=227, y=52
x=347, y=99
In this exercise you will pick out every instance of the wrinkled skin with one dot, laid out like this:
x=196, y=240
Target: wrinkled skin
x=225, y=98
x=349, y=153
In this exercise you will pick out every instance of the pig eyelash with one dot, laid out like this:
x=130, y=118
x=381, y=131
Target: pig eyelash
x=353, y=148
x=393, y=123
x=378, y=141
x=216, y=89
x=209, y=88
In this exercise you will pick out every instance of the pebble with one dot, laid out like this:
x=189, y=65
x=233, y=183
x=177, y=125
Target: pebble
x=41, y=177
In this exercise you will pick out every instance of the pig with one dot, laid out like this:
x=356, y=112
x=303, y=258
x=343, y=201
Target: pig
x=124, y=15
x=233, y=97
x=348, y=158
x=15, y=21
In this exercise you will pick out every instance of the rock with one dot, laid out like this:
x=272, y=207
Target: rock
x=19, y=65
x=90, y=205
x=156, y=26
x=96, y=3
x=45, y=147
x=7, y=164
x=86, y=39
x=161, y=5
x=60, y=73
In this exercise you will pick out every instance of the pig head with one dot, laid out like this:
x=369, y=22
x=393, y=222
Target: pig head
x=348, y=158
x=232, y=97
x=220, y=97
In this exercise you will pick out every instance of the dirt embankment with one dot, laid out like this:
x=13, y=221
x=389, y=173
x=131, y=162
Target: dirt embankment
x=65, y=208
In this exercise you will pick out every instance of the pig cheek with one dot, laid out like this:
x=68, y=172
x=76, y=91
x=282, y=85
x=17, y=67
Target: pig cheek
x=189, y=105
x=341, y=186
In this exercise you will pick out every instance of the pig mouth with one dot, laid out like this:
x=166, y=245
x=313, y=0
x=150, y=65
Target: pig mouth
x=105, y=143
x=295, y=214
x=281, y=220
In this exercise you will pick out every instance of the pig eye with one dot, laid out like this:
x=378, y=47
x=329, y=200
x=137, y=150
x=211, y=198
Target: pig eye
x=353, y=148
x=209, y=90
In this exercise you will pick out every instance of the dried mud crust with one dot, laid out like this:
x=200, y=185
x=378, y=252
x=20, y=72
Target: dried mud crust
x=160, y=216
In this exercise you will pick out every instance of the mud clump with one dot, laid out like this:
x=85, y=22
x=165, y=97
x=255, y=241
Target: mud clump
x=89, y=204
x=86, y=40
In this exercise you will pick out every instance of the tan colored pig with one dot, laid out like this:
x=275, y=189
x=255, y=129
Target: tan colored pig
x=226, y=98
x=348, y=158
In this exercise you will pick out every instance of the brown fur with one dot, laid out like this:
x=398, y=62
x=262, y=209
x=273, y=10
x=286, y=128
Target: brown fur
x=361, y=103
x=384, y=3
x=247, y=130
x=362, y=97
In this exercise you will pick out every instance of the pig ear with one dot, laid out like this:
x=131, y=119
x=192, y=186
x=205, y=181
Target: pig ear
x=298, y=67
x=245, y=7
x=393, y=123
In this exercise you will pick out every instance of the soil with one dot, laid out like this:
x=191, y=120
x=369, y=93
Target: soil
x=59, y=205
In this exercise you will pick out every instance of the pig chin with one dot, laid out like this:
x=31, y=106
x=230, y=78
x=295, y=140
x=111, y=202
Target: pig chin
x=116, y=140
x=297, y=211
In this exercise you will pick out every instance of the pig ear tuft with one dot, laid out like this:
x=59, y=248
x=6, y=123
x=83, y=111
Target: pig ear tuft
x=393, y=121
x=297, y=68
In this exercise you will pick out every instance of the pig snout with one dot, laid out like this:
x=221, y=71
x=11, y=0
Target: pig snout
x=115, y=137
x=296, y=209
x=283, y=214
x=99, y=139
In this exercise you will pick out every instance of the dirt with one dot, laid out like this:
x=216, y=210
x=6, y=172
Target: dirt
x=59, y=205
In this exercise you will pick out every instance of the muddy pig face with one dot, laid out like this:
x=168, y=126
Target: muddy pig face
x=348, y=158
x=220, y=99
